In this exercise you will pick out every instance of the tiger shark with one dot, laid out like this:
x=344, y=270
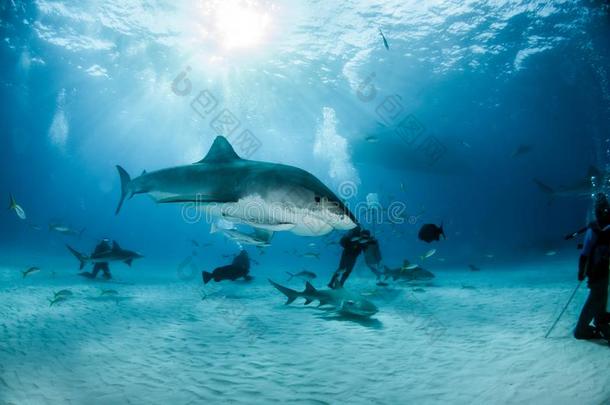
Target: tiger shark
x=264, y=195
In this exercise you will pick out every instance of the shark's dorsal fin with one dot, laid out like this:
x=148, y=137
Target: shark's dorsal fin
x=115, y=246
x=309, y=289
x=220, y=151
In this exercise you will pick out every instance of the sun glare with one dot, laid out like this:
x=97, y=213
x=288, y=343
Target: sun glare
x=240, y=24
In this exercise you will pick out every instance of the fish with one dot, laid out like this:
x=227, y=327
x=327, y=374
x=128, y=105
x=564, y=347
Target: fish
x=521, y=150
x=29, y=271
x=311, y=255
x=311, y=244
x=55, y=300
x=473, y=267
x=465, y=144
x=550, y=253
x=62, y=293
x=342, y=300
x=194, y=242
x=371, y=139
x=580, y=188
x=385, y=41
x=428, y=254
x=411, y=266
x=431, y=232
x=224, y=185
x=115, y=254
x=108, y=292
x=16, y=207
x=304, y=275
x=230, y=272
x=382, y=284
x=259, y=238
x=65, y=230
x=489, y=256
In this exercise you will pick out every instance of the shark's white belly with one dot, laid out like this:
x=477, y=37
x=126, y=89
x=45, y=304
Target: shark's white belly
x=256, y=212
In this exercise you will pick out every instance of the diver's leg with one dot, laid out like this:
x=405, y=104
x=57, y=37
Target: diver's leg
x=106, y=271
x=348, y=270
x=583, y=327
x=601, y=302
x=96, y=269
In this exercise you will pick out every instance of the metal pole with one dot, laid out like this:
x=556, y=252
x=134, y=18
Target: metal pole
x=563, y=310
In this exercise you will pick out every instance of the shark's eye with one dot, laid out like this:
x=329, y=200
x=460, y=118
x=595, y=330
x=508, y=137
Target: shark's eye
x=317, y=198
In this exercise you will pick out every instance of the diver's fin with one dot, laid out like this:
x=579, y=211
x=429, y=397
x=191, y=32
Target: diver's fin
x=220, y=151
x=81, y=257
x=125, y=192
x=288, y=292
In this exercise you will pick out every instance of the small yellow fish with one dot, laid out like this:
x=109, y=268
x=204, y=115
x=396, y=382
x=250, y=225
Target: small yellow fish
x=16, y=207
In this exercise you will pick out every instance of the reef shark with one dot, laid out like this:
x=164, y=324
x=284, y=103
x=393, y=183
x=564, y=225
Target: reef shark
x=583, y=187
x=344, y=301
x=263, y=195
x=115, y=254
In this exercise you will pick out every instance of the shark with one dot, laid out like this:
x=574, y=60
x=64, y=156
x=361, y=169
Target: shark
x=342, y=300
x=115, y=254
x=264, y=195
x=580, y=188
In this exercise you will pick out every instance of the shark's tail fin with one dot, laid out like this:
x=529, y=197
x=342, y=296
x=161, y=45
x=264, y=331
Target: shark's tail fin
x=290, y=293
x=81, y=257
x=125, y=192
x=548, y=190
x=207, y=276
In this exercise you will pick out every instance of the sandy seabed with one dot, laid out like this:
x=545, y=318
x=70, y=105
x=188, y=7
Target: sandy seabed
x=469, y=338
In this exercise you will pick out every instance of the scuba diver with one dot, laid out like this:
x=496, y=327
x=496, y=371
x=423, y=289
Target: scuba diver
x=240, y=267
x=103, y=246
x=354, y=242
x=593, y=265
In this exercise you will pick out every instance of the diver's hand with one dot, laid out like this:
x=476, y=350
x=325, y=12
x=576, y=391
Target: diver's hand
x=581, y=276
x=582, y=268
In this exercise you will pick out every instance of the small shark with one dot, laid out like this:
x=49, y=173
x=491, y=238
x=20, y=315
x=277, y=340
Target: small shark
x=115, y=254
x=408, y=273
x=259, y=238
x=344, y=302
x=264, y=195
x=580, y=188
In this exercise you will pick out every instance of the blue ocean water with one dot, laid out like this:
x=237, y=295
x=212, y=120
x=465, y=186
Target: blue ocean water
x=449, y=121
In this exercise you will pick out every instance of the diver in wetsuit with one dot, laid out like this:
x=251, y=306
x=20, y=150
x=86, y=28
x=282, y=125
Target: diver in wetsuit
x=593, y=265
x=239, y=268
x=354, y=242
x=101, y=247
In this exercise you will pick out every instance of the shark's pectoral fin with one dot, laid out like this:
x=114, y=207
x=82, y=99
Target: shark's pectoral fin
x=128, y=262
x=308, y=301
